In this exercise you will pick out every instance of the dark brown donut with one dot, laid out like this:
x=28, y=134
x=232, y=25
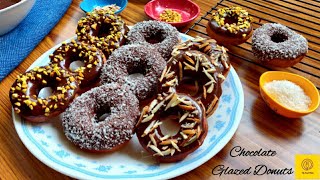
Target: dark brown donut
x=230, y=26
x=131, y=59
x=92, y=57
x=103, y=29
x=218, y=54
x=277, y=45
x=183, y=110
x=162, y=36
x=191, y=73
x=24, y=93
x=102, y=119
x=197, y=68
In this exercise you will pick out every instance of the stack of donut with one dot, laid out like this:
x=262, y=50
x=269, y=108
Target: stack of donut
x=188, y=91
x=128, y=84
x=64, y=82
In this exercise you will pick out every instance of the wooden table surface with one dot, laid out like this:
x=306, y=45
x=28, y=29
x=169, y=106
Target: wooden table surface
x=259, y=127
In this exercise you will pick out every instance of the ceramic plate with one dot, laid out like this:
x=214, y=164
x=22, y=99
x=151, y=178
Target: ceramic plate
x=47, y=142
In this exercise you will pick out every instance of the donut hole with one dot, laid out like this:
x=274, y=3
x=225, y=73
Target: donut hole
x=45, y=92
x=136, y=72
x=74, y=65
x=170, y=125
x=279, y=37
x=138, y=69
x=156, y=37
x=104, y=30
x=102, y=112
x=231, y=20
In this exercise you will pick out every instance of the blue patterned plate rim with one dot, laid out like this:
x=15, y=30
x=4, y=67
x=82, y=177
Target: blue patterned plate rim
x=170, y=171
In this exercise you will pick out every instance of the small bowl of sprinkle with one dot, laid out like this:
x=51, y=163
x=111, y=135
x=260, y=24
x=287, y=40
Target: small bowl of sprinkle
x=289, y=94
x=175, y=12
x=113, y=5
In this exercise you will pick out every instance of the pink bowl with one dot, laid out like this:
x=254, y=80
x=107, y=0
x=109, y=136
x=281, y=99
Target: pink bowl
x=188, y=10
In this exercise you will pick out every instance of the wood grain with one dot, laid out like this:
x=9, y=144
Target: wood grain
x=259, y=127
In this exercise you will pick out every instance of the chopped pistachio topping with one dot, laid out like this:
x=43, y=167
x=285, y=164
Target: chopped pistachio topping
x=169, y=15
x=241, y=15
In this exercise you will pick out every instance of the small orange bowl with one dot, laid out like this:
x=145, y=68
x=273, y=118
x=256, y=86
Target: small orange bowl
x=304, y=83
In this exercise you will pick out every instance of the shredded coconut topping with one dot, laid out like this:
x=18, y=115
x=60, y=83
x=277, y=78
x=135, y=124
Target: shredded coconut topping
x=131, y=59
x=142, y=31
x=265, y=49
x=83, y=127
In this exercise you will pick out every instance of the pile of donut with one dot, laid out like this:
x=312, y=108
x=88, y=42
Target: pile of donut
x=129, y=81
x=132, y=81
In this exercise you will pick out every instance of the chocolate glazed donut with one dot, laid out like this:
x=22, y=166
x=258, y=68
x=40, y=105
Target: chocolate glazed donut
x=230, y=26
x=102, y=119
x=180, y=109
x=24, y=93
x=92, y=58
x=195, y=61
x=277, y=45
x=135, y=59
x=160, y=35
x=218, y=54
x=191, y=73
x=103, y=29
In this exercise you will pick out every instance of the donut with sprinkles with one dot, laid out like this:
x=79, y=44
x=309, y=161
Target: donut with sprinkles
x=103, y=29
x=24, y=93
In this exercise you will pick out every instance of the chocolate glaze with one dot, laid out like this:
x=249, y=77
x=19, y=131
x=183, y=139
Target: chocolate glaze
x=7, y=3
x=102, y=29
x=162, y=36
x=135, y=58
x=216, y=56
x=34, y=85
x=174, y=114
x=84, y=126
x=224, y=31
x=187, y=84
x=274, y=41
x=216, y=53
x=79, y=51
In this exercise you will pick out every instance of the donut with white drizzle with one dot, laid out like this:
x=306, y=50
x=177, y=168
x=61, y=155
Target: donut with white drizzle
x=184, y=111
